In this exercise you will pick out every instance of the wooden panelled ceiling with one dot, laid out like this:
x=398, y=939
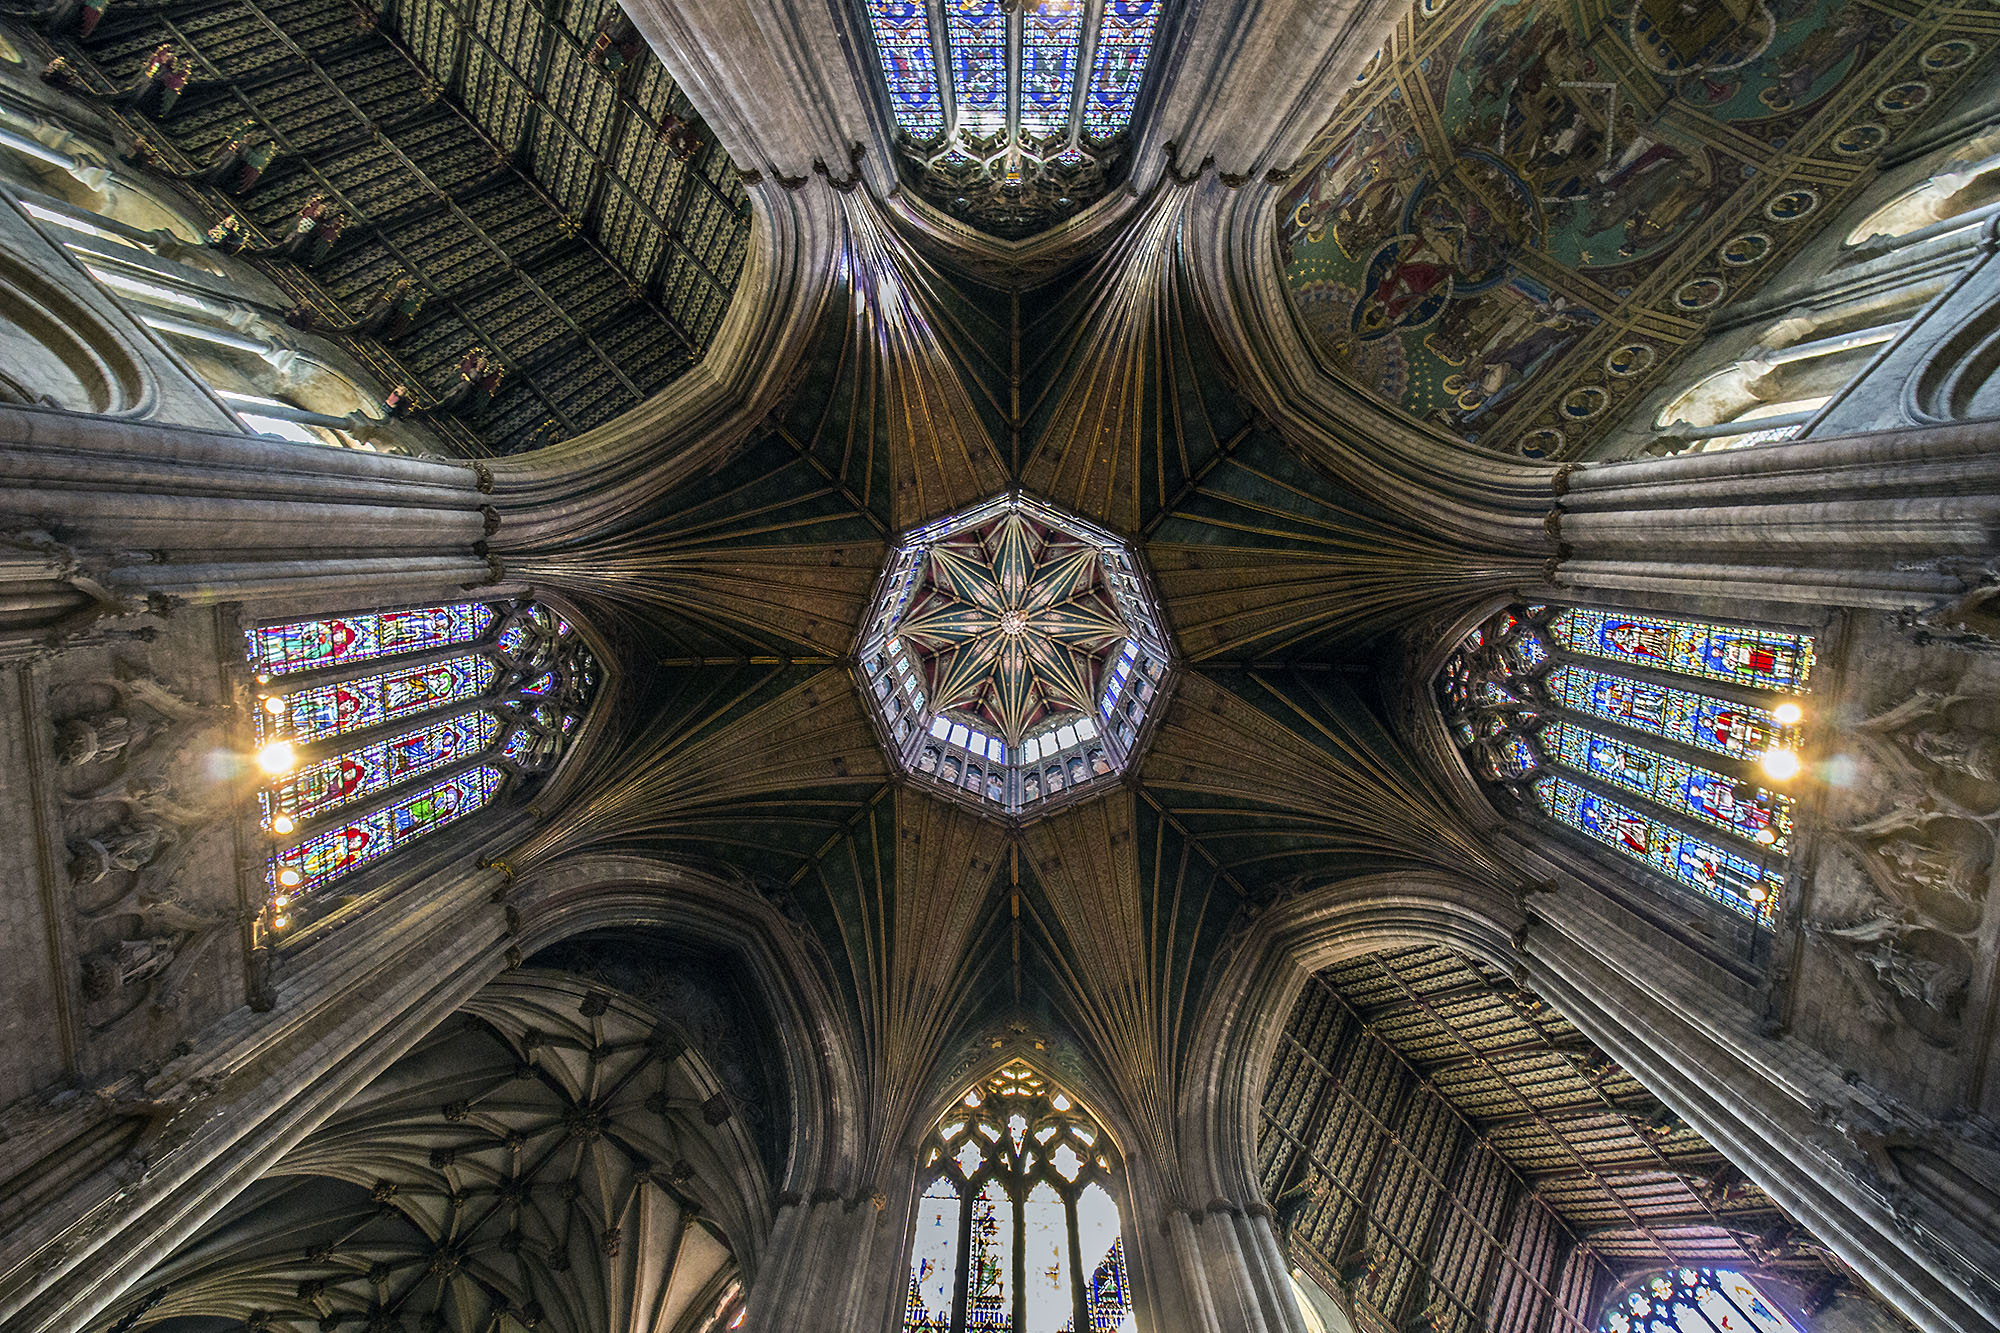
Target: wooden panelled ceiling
x=570, y=221
x=1631, y=1180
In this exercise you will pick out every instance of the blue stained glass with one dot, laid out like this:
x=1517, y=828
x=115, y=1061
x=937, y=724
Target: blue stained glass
x=1742, y=808
x=343, y=779
x=1530, y=651
x=320, y=860
x=978, y=31
x=320, y=711
x=541, y=684
x=1766, y=659
x=1049, y=40
x=1124, y=43
x=307, y=645
x=1520, y=756
x=909, y=65
x=1741, y=731
x=1734, y=881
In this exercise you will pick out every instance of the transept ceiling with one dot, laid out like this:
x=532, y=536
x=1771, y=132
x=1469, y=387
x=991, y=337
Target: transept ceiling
x=1524, y=211
x=532, y=178
x=1379, y=1044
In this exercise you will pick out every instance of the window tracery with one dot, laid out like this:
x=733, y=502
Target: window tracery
x=1669, y=741
x=1013, y=116
x=1016, y=1228
x=1695, y=1300
x=378, y=728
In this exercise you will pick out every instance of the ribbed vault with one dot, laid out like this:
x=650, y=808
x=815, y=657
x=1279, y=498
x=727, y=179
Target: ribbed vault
x=1102, y=389
x=555, y=1157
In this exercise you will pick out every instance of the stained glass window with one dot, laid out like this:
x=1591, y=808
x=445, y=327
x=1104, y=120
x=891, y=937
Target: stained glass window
x=1695, y=1300
x=308, y=645
x=1768, y=659
x=463, y=704
x=1124, y=42
x=1002, y=125
x=327, y=856
x=1016, y=1229
x=1574, y=708
x=909, y=65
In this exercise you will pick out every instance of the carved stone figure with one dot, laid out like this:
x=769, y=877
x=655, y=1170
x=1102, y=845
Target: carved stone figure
x=1975, y=754
x=1925, y=969
x=1936, y=985
x=122, y=848
x=93, y=738
x=112, y=969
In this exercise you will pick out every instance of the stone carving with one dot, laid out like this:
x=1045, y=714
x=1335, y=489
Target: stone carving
x=1908, y=945
x=140, y=804
x=115, y=967
x=123, y=847
x=1970, y=620
x=1883, y=943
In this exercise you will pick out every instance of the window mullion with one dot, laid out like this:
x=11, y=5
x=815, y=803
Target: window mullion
x=947, y=70
x=1086, y=52
x=961, y=1293
x=1078, y=1279
x=1017, y=1258
x=1016, y=40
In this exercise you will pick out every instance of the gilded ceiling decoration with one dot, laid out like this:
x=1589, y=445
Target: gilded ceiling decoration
x=1525, y=211
x=1013, y=116
x=1408, y=1069
x=1013, y=655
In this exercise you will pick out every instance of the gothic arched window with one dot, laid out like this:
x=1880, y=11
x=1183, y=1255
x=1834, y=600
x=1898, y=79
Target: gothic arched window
x=376, y=729
x=1670, y=741
x=1016, y=1230
x=1695, y=1300
x=1014, y=113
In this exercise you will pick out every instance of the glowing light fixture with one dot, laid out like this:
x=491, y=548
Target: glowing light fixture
x=1780, y=765
x=277, y=758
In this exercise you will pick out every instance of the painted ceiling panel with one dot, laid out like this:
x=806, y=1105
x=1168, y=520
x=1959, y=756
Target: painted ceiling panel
x=1525, y=210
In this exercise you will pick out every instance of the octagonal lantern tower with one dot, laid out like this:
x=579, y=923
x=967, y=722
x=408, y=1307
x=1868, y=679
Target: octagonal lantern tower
x=1013, y=656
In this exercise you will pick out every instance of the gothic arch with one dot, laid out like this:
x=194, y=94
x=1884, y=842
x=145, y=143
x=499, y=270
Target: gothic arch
x=352, y=1008
x=1773, y=1109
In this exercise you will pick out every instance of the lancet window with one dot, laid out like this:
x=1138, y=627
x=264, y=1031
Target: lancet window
x=1016, y=1228
x=377, y=729
x=1695, y=1300
x=1014, y=113
x=1670, y=741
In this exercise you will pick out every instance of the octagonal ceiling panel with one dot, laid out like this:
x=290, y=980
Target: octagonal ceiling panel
x=1013, y=655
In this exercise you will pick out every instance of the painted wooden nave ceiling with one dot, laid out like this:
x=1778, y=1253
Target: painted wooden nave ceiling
x=747, y=581
x=1524, y=210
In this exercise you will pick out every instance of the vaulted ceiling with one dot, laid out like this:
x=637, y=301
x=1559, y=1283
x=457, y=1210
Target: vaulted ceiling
x=555, y=1157
x=567, y=217
x=1523, y=211
x=1533, y=1115
x=746, y=586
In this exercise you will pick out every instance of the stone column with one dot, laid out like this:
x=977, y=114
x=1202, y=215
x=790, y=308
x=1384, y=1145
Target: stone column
x=102, y=512
x=1887, y=521
x=826, y=1263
